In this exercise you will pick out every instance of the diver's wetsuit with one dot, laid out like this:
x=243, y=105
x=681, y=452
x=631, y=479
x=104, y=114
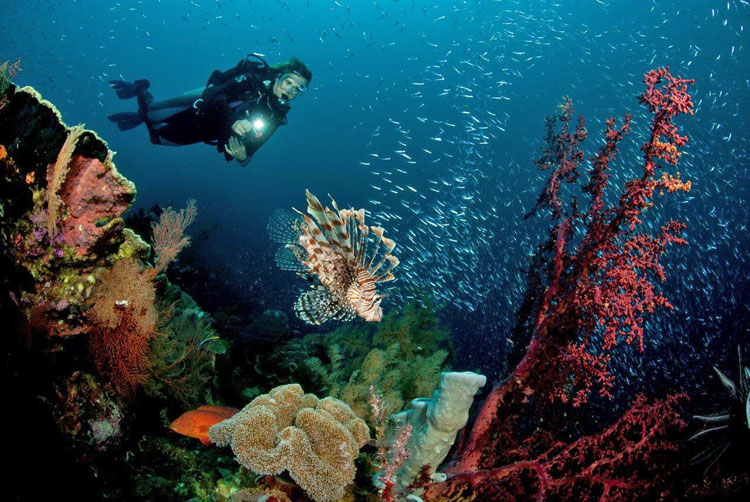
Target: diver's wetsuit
x=207, y=115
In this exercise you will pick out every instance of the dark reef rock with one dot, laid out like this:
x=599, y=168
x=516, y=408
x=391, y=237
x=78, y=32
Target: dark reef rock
x=61, y=229
x=54, y=236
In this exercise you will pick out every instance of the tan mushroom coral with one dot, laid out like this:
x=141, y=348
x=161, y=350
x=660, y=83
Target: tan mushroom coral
x=315, y=440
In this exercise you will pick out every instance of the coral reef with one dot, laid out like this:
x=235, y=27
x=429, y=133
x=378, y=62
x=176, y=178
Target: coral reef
x=315, y=440
x=83, y=408
x=88, y=271
x=401, y=358
x=108, y=348
x=82, y=300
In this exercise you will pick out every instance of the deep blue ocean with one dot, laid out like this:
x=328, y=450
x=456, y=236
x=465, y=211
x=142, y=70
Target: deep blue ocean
x=430, y=115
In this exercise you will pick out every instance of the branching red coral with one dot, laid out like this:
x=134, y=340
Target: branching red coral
x=125, y=319
x=592, y=288
x=169, y=234
x=614, y=465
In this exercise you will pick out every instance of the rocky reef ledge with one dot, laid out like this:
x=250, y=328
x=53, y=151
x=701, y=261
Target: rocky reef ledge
x=61, y=203
x=92, y=331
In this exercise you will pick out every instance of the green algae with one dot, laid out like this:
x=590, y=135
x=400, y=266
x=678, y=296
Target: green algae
x=182, y=355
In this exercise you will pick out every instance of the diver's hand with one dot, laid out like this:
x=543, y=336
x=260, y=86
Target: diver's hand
x=236, y=149
x=242, y=127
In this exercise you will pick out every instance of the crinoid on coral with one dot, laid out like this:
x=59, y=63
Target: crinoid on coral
x=727, y=431
x=315, y=440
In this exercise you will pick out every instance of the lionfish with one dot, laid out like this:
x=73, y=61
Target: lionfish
x=330, y=248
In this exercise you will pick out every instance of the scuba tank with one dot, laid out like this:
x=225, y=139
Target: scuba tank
x=234, y=84
x=258, y=68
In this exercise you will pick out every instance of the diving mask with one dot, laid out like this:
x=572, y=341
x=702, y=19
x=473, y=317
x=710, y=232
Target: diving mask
x=292, y=82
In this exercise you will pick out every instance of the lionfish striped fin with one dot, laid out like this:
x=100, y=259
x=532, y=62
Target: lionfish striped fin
x=331, y=225
x=386, y=275
x=378, y=231
x=317, y=211
x=374, y=270
x=318, y=306
x=361, y=230
x=388, y=243
x=283, y=227
x=345, y=314
x=289, y=258
x=314, y=242
x=339, y=221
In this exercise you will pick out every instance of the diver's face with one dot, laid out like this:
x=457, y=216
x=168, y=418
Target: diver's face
x=289, y=86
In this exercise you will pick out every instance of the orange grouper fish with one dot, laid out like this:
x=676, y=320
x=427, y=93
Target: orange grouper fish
x=195, y=423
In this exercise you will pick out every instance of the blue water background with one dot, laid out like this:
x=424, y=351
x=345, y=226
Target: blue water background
x=392, y=76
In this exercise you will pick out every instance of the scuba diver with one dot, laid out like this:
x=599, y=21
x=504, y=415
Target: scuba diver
x=238, y=110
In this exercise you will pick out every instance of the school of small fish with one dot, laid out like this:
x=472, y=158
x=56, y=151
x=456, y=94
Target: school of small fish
x=443, y=104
